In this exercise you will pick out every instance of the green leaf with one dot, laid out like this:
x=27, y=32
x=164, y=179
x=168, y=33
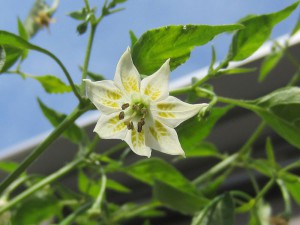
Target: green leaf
x=260, y=214
x=296, y=28
x=73, y=133
x=153, y=169
x=35, y=209
x=79, y=14
x=116, y=186
x=263, y=166
x=269, y=63
x=8, y=167
x=270, y=152
x=175, y=42
x=292, y=183
x=219, y=213
x=202, y=149
x=192, y=132
x=22, y=31
x=2, y=57
x=52, y=84
x=87, y=185
x=133, y=38
x=177, y=199
x=234, y=71
x=11, y=56
x=257, y=30
x=281, y=111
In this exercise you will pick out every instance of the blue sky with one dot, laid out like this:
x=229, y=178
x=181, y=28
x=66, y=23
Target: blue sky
x=20, y=116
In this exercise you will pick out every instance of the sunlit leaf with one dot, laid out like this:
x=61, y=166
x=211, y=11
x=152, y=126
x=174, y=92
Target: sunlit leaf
x=2, y=57
x=133, y=38
x=269, y=63
x=281, y=111
x=8, y=167
x=155, y=46
x=52, y=84
x=177, y=199
x=11, y=56
x=257, y=30
x=296, y=28
x=73, y=133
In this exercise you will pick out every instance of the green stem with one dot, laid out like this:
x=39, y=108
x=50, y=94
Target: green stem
x=70, y=218
x=115, y=148
x=244, y=149
x=96, y=207
x=180, y=91
x=41, y=184
x=41, y=148
x=265, y=189
x=88, y=55
x=61, y=65
x=215, y=169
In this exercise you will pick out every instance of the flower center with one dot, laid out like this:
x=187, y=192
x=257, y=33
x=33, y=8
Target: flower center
x=134, y=113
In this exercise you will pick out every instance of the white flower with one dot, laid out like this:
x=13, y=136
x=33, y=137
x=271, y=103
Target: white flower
x=140, y=112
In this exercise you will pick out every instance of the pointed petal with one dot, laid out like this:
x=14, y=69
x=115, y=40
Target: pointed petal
x=127, y=78
x=110, y=127
x=105, y=95
x=156, y=85
x=163, y=138
x=172, y=111
x=136, y=141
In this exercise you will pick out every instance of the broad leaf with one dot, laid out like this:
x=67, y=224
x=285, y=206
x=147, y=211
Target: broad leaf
x=281, y=111
x=220, y=213
x=177, y=199
x=52, y=84
x=175, y=42
x=269, y=64
x=11, y=56
x=153, y=169
x=257, y=30
x=73, y=133
x=202, y=149
x=192, y=132
x=2, y=57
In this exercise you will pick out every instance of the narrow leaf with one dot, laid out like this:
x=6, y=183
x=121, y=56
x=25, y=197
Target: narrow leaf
x=73, y=133
x=52, y=84
x=133, y=38
x=79, y=14
x=22, y=31
x=172, y=42
x=177, y=199
x=270, y=152
x=269, y=63
x=257, y=30
x=8, y=166
x=292, y=182
x=296, y=28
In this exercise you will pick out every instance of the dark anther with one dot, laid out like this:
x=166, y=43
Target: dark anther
x=121, y=115
x=125, y=106
x=130, y=126
x=140, y=127
x=143, y=121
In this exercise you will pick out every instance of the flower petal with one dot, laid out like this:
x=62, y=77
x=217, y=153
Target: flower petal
x=164, y=139
x=127, y=78
x=105, y=95
x=156, y=85
x=172, y=111
x=111, y=127
x=136, y=141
